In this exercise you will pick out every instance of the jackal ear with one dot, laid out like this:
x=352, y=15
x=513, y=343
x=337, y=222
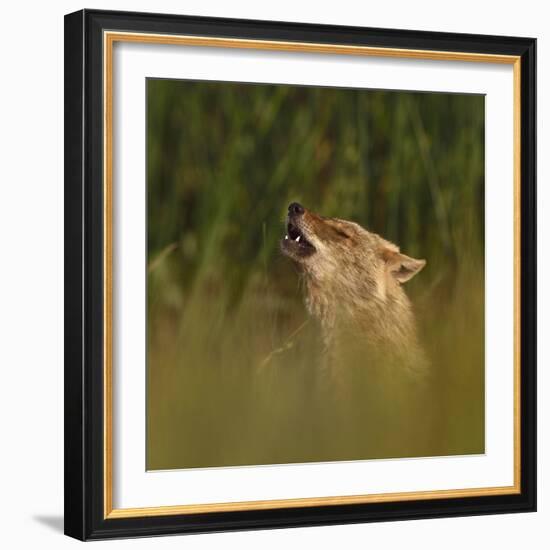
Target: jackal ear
x=400, y=266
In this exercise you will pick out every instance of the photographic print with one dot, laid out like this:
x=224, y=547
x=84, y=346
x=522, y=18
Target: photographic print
x=300, y=274
x=315, y=274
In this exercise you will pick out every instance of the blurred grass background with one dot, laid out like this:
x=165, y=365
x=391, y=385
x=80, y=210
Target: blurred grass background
x=232, y=376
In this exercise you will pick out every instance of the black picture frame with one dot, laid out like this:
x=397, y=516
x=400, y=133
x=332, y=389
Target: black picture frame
x=84, y=283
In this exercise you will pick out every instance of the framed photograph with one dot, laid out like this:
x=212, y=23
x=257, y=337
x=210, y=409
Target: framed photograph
x=300, y=274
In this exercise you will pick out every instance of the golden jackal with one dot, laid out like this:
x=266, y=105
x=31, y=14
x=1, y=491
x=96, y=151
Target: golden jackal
x=353, y=285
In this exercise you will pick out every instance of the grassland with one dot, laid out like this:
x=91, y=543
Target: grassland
x=232, y=376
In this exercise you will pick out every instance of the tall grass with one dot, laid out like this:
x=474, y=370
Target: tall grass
x=233, y=372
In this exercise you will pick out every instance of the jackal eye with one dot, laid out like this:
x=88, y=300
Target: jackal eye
x=342, y=233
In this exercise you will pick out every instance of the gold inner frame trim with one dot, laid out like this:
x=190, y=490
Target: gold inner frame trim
x=109, y=39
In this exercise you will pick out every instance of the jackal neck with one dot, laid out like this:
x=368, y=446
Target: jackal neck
x=360, y=316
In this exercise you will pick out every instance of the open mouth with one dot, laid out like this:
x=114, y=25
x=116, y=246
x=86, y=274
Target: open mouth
x=295, y=238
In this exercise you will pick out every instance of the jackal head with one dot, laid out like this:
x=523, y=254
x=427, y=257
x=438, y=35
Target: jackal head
x=332, y=248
